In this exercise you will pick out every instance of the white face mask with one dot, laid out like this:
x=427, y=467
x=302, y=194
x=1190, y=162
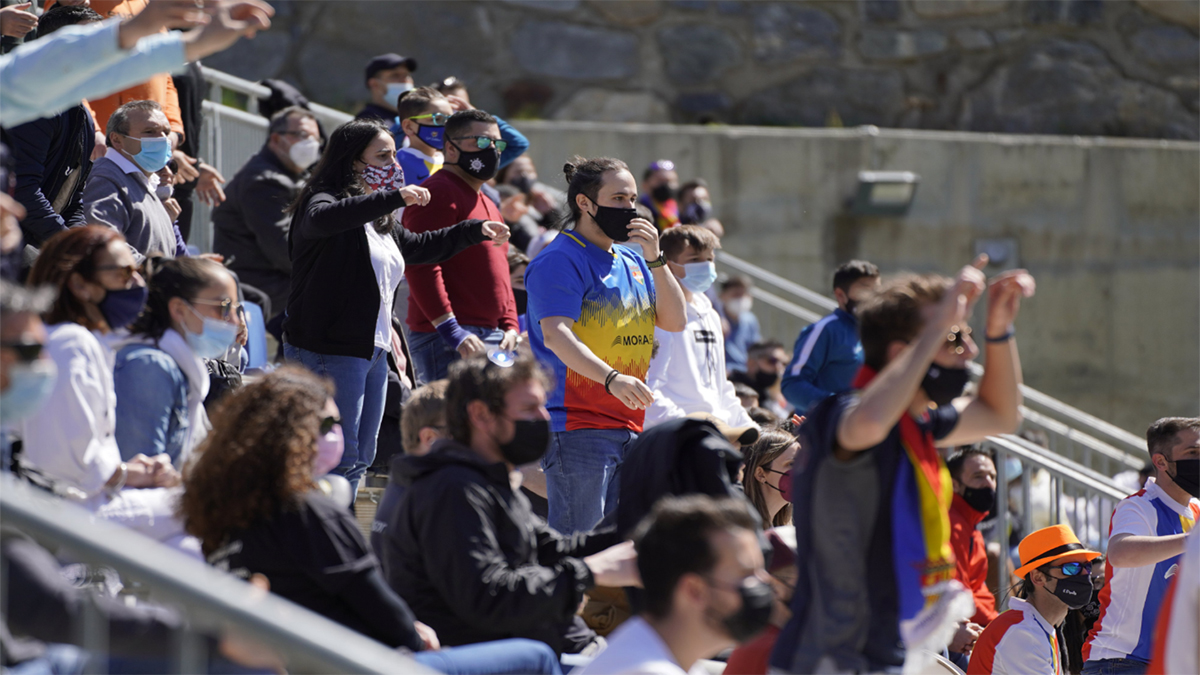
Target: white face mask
x=739, y=306
x=305, y=153
x=394, y=89
x=164, y=191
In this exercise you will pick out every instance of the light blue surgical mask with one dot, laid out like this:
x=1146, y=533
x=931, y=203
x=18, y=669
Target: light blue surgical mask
x=213, y=340
x=29, y=385
x=394, y=89
x=155, y=153
x=698, y=276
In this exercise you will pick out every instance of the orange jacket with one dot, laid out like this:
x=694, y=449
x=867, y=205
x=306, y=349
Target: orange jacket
x=159, y=88
x=970, y=558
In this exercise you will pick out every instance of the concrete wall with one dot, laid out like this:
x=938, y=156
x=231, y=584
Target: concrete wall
x=1110, y=229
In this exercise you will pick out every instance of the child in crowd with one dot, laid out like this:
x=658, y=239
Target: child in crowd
x=423, y=113
x=687, y=372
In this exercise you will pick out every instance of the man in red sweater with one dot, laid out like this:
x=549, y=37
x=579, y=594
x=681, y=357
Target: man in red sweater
x=973, y=475
x=464, y=305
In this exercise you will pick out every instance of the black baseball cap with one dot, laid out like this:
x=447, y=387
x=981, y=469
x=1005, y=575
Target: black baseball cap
x=389, y=61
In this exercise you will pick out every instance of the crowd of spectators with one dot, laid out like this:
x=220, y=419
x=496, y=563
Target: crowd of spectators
x=585, y=451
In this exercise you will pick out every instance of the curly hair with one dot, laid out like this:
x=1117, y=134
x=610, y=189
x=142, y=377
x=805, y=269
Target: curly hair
x=258, y=458
x=769, y=446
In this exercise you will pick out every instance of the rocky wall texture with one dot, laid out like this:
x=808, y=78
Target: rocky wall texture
x=1082, y=67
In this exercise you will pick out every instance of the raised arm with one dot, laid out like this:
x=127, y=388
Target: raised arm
x=889, y=395
x=670, y=308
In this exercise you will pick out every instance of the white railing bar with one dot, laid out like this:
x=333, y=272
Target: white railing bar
x=306, y=641
x=217, y=109
x=1074, y=435
x=784, y=305
x=1057, y=465
x=774, y=279
x=257, y=91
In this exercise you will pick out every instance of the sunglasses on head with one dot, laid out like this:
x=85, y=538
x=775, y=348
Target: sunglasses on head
x=26, y=351
x=439, y=119
x=327, y=424
x=484, y=142
x=957, y=338
x=1074, y=569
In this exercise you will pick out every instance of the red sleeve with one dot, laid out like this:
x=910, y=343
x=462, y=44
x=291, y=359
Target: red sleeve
x=426, y=289
x=985, y=602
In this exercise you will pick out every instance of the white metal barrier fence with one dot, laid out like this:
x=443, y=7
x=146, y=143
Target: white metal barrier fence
x=213, y=602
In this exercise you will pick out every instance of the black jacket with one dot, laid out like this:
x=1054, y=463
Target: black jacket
x=334, y=301
x=53, y=156
x=470, y=558
x=250, y=228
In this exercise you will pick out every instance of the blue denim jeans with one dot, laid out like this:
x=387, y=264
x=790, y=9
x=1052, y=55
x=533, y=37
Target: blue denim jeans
x=1114, y=667
x=432, y=356
x=360, y=389
x=502, y=657
x=583, y=472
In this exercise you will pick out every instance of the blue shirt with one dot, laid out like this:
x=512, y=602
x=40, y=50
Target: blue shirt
x=152, y=412
x=610, y=296
x=741, y=335
x=827, y=356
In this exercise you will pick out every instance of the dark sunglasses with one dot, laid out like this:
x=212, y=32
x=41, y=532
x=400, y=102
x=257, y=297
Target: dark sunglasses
x=26, y=351
x=957, y=338
x=228, y=307
x=1074, y=569
x=439, y=119
x=328, y=423
x=484, y=142
x=128, y=270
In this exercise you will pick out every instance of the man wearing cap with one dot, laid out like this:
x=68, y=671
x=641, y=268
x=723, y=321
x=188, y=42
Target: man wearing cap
x=1146, y=539
x=388, y=76
x=1056, y=573
x=661, y=185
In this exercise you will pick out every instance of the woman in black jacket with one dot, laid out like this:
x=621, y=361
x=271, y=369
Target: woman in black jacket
x=252, y=500
x=348, y=255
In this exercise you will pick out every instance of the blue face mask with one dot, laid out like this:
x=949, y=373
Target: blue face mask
x=394, y=89
x=698, y=276
x=29, y=385
x=155, y=153
x=213, y=340
x=431, y=135
x=120, y=308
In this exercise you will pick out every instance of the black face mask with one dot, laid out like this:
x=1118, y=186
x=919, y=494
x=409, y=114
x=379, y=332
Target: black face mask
x=942, y=385
x=697, y=212
x=529, y=442
x=755, y=613
x=522, y=297
x=524, y=183
x=481, y=164
x=980, y=499
x=1187, y=476
x=850, y=305
x=662, y=193
x=614, y=222
x=1075, y=591
x=765, y=379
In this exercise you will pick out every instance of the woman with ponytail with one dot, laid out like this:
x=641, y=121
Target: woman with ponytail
x=348, y=255
x=594, y=302
x=161, y=379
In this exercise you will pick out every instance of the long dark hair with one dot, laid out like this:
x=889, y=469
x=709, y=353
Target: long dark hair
x=167, y=278
x=769, y=447
x=69, y=251
x=335, y=172
x=585, y=176
x=258, y=458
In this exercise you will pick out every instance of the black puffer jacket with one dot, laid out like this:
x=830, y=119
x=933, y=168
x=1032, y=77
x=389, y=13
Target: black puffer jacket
x=470, y=558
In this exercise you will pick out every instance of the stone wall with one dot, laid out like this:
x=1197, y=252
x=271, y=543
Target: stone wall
x=1110, y=229
x=1087, y=67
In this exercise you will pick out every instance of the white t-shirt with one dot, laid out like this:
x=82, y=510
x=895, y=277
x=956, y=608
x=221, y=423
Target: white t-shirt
x=636, y=649
x=1130, y=602
x=389, y=267
x=687, y=373
x=1179, y=652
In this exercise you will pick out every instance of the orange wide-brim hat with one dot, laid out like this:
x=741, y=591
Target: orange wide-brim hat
x=1050, y=544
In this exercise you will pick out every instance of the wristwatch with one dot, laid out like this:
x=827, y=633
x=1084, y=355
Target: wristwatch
x=662, y=260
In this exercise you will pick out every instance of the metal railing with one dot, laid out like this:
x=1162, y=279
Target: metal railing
x=220, y=82
x=213, y=602
x=1072, y=432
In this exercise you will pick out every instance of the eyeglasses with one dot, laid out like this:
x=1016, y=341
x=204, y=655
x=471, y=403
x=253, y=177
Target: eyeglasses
x=1074, y=569
x=957, y=338
x=485, y=142
x=439, y=119
x=227, y=305
x=26, y=351
x=128, y=270
x=328, y=423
